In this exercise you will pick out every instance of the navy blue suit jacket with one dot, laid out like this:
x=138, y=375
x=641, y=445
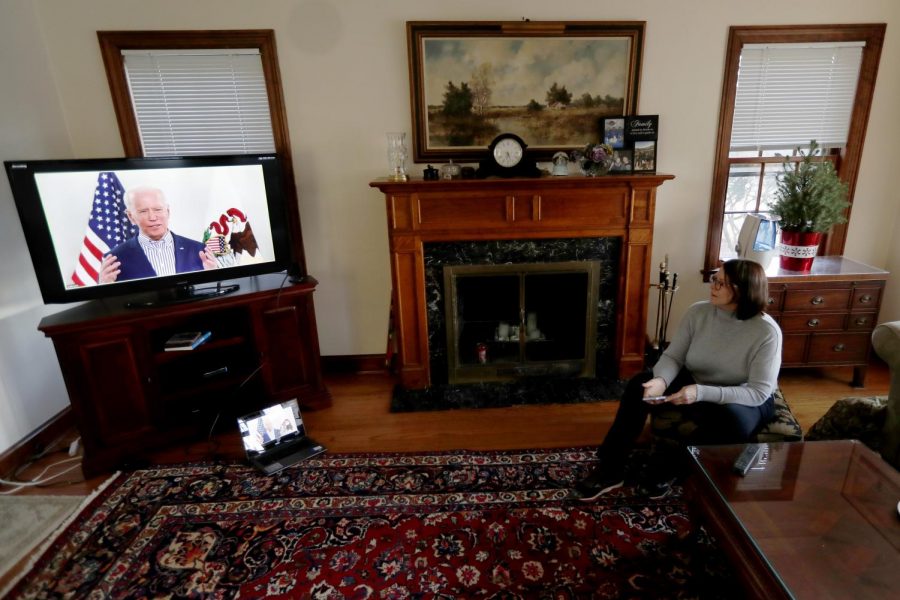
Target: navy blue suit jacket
x=134, y=263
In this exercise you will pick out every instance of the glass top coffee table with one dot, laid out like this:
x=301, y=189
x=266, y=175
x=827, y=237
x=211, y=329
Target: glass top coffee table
x=809, y=520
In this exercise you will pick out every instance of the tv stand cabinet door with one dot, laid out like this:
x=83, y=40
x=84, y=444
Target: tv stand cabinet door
x=108, y=392
x=289, y=350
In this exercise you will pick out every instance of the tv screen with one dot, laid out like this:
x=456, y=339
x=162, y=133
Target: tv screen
x=103, y=227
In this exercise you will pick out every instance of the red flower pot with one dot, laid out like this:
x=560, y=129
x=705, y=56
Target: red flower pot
x=798, y=249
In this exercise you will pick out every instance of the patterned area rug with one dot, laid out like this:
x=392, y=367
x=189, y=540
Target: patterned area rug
x=439, y=525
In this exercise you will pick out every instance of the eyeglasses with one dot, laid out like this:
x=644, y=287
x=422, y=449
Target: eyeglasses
x=717, y=283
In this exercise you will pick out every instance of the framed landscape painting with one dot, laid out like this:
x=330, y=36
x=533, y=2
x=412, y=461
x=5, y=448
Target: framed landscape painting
x=549, y=82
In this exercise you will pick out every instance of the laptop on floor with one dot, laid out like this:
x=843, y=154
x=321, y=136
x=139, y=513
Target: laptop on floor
x=275, y=438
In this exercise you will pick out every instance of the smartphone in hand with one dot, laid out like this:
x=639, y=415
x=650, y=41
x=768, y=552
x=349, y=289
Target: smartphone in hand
x=654, y=399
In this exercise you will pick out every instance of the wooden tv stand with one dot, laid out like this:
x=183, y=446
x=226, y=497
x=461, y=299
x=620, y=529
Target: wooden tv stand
x=129, y=396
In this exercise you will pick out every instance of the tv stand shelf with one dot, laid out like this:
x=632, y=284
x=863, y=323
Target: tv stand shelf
x=130, y=396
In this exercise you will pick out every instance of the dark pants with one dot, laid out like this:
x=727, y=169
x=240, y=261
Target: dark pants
x=717, y=423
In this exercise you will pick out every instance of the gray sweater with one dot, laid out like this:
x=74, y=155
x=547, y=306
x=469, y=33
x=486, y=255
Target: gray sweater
x=732, y=361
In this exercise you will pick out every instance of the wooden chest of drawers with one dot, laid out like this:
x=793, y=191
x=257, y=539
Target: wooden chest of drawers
x=827, y=315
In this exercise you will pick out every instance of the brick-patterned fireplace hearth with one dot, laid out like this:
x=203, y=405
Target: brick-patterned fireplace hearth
x=432, y=223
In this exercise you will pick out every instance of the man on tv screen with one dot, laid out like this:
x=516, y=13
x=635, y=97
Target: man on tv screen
x=156, y=250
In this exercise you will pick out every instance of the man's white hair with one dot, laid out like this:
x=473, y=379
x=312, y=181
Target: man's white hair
x=141, y=189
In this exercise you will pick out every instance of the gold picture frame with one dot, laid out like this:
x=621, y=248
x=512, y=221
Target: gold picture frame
x=549, y=82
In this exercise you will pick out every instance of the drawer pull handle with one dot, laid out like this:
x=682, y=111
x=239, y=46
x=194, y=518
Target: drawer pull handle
x=862, y=321
x=771, y=300
x=813, y=322
x=216, y=372
x=865, y=299
x=817, y=300
x=839, y=347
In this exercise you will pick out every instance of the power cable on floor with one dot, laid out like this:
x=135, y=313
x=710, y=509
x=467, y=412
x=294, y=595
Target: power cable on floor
x=37, y=481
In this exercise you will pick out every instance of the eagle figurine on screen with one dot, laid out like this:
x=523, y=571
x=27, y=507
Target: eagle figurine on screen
x=231, y=239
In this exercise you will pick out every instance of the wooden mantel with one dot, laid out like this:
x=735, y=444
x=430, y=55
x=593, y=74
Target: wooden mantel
x=500, y=209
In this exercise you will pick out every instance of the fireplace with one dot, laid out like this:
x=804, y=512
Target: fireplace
x=504, y=322
x=597, y=258
x=433, y=224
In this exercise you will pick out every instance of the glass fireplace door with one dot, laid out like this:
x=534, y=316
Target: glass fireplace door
x=510, y=321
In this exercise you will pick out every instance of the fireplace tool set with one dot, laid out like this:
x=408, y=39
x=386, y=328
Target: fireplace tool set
x=666, y=288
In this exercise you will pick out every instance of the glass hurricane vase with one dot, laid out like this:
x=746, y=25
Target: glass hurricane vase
x=397, y=153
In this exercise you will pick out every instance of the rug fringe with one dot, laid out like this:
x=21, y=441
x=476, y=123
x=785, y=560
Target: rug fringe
x=37, y=553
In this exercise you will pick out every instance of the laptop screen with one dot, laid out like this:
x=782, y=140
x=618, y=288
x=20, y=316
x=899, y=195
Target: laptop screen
x=271, y=427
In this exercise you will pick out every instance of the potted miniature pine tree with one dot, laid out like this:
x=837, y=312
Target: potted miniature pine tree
x=809, y=200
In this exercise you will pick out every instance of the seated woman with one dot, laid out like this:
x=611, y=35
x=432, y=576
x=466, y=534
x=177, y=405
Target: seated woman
x=721, y=368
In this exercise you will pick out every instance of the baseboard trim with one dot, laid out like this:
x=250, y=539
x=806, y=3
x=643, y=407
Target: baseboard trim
x=40, y=439
x=359, y=364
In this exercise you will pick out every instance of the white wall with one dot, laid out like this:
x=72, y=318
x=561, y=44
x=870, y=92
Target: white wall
x=32, y=126
x=346, y=83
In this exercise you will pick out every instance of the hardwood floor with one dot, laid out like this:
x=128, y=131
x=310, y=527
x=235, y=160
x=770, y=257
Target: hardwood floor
x=359, y=421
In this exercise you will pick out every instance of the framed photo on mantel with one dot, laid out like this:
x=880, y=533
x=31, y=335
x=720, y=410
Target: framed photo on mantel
x=642, y=132
x=614, y=132
x=633, y=139
x=548, y=82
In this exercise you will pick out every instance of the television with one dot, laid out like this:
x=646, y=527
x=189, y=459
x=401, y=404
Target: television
x=107, y=227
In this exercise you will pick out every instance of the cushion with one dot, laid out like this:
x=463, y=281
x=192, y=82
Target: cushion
x=783, y=427
x=860, y=418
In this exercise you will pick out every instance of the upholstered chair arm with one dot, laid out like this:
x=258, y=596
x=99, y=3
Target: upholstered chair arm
x=886, y=341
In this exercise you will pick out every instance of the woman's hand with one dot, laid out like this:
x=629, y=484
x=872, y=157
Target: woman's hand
x=655, y=387
x=686, y=395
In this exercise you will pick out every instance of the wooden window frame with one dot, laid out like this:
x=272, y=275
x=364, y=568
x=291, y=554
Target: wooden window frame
x=112, y=43
x=847, y=164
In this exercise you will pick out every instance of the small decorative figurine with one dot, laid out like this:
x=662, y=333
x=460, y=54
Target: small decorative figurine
x=560, y=164
x=430, y=174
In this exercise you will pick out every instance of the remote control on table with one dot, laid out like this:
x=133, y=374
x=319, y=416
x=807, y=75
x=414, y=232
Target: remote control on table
x=746, y=458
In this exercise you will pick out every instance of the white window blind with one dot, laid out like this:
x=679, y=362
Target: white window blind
x=789, y=94
x=199, y=102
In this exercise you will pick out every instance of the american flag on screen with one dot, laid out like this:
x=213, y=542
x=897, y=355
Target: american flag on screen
x=107, y=228
x=216, y=244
